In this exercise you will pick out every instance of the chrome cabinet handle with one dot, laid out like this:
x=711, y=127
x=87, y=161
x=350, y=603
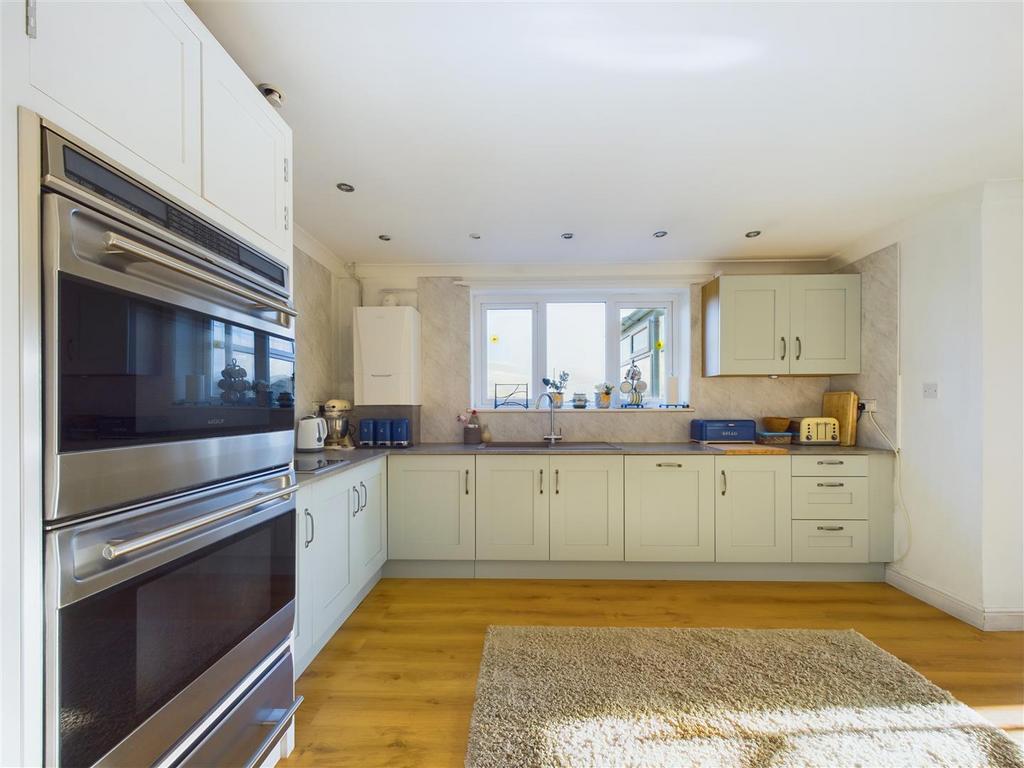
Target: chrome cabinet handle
x=271, y=738
x=365, y=497
x=831, y=462
x=357, y=508
x=783, y=339
x=311, y=527
x=115, y=549
x=557, y=491
x=542, y=482
x=831, y=485
x=669, y=464
x=830, y=527
x=799, y=347
x=467, y=482
x=116, y=242
x=725, y=483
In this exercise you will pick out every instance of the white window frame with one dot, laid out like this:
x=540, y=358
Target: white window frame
x=537, y=301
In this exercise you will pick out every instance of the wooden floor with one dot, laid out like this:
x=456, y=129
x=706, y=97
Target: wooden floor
x=395, y=685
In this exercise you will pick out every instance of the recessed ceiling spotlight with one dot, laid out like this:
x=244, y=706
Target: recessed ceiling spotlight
x=474, y=235
x=345, y=187
x=660, y=233
x=753, y=233
x=385, y=238
x=567, y=235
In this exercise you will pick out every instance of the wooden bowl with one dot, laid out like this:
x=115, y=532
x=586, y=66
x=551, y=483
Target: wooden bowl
x=776, y=423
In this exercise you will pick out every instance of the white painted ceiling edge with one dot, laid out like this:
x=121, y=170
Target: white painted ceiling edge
x=815, y=122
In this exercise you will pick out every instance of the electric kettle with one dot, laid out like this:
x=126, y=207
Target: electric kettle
x=310, y=434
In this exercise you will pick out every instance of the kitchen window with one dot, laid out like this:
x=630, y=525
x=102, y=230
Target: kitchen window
x=520, y=339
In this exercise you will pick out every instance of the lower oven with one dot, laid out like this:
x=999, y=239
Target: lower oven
x=167, y=633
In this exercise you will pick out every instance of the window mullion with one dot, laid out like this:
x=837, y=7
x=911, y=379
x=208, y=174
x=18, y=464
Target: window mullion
x=540, y=351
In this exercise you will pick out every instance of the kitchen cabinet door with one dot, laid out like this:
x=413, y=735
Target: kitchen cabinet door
x=752, y=509
x=369, y=545
x=746, y=326
x=132, y=70
x=246, y=151
x=334, y=588
x=670, y=508
x=305, y=580
x=586, y=508
x=825, y=324
x=512, y=507
x=431, y=507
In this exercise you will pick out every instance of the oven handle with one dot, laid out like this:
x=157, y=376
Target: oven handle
x=116, y=242
x=115, y=549
x=272, y=737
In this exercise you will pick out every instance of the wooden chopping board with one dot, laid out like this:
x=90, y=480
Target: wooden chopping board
x=753, y=450
x=842, y=406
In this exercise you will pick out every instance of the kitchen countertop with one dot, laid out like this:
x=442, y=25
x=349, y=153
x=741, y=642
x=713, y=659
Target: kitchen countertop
x=358, y=456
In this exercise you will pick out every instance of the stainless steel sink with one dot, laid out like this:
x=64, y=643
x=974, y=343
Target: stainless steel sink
x=541, y=445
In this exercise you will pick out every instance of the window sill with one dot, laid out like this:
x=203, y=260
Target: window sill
x=559, y=411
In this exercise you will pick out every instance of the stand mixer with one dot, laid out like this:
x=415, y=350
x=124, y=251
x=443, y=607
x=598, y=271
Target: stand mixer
x=336, y=412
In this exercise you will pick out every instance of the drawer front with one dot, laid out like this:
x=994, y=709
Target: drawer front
x=834, y=466
x=243, y=733
x=830, y=541
x=830, y=498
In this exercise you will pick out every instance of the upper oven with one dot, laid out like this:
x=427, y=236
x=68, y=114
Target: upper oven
x=169, y=348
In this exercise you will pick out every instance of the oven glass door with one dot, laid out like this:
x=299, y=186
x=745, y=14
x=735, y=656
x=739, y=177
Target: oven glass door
x=126, y=651
x=134, y=370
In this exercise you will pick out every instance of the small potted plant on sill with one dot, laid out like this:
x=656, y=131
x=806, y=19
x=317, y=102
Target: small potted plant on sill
x=603, y=398
x=557, y=388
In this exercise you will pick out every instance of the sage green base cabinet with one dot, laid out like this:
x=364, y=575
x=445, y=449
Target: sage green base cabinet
x=752, y=509
x=432, y=507
x=341, y=522
x=586, y=508
x=670, y=509
x=512, y=512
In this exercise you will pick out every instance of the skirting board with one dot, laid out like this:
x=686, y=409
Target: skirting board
x=468, y=569
x=991, y=620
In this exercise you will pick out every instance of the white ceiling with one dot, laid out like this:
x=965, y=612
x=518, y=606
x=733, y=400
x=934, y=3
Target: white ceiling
x=815, y=123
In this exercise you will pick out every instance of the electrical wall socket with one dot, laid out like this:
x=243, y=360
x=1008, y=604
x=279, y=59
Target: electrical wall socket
x=870, y=405
x=930, y=390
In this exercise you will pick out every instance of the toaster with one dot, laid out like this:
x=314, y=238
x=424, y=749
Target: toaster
x=816, y=430
x=723, y=430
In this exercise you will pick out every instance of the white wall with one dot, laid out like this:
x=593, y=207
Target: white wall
x=1003, y=405
x=960, y=327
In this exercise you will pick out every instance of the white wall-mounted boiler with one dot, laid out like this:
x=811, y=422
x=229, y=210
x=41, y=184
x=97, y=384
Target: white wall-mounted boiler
x=386, y=347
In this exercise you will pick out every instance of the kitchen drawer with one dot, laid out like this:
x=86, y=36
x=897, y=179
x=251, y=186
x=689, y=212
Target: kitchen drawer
x=830, y=498
x=830, y=541
x=251, y=727
x=824, y=465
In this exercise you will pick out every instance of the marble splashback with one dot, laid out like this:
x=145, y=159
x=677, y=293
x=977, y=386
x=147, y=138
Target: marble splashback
x=445, y=308
x=315, y=334
x=879, y=345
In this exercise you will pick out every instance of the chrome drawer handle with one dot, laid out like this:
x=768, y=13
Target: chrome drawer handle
x=115, y=549
x=669, y=464
x=467, y=482
x=830, y=527
x=783, y=339
x=831, y=485
x=542, y=482
x=831, y=462
x=799, y=347
x=725, y=483
x=557, y=489
x=271, y=738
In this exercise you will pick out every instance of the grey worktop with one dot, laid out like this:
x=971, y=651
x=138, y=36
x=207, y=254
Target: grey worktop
x=359, y=456
x=354, y=458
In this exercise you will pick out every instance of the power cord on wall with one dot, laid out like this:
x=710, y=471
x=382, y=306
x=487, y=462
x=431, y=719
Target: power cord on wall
x=899, y=483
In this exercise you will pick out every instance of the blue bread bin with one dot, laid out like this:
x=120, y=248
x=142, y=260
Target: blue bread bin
x=723, y=430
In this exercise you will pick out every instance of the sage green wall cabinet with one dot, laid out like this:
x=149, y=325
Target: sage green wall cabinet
x=773, y=325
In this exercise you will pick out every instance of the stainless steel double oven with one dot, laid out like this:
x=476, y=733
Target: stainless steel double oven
x=169, y=364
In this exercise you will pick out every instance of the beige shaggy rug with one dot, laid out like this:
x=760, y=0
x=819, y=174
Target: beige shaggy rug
x=564, y=696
